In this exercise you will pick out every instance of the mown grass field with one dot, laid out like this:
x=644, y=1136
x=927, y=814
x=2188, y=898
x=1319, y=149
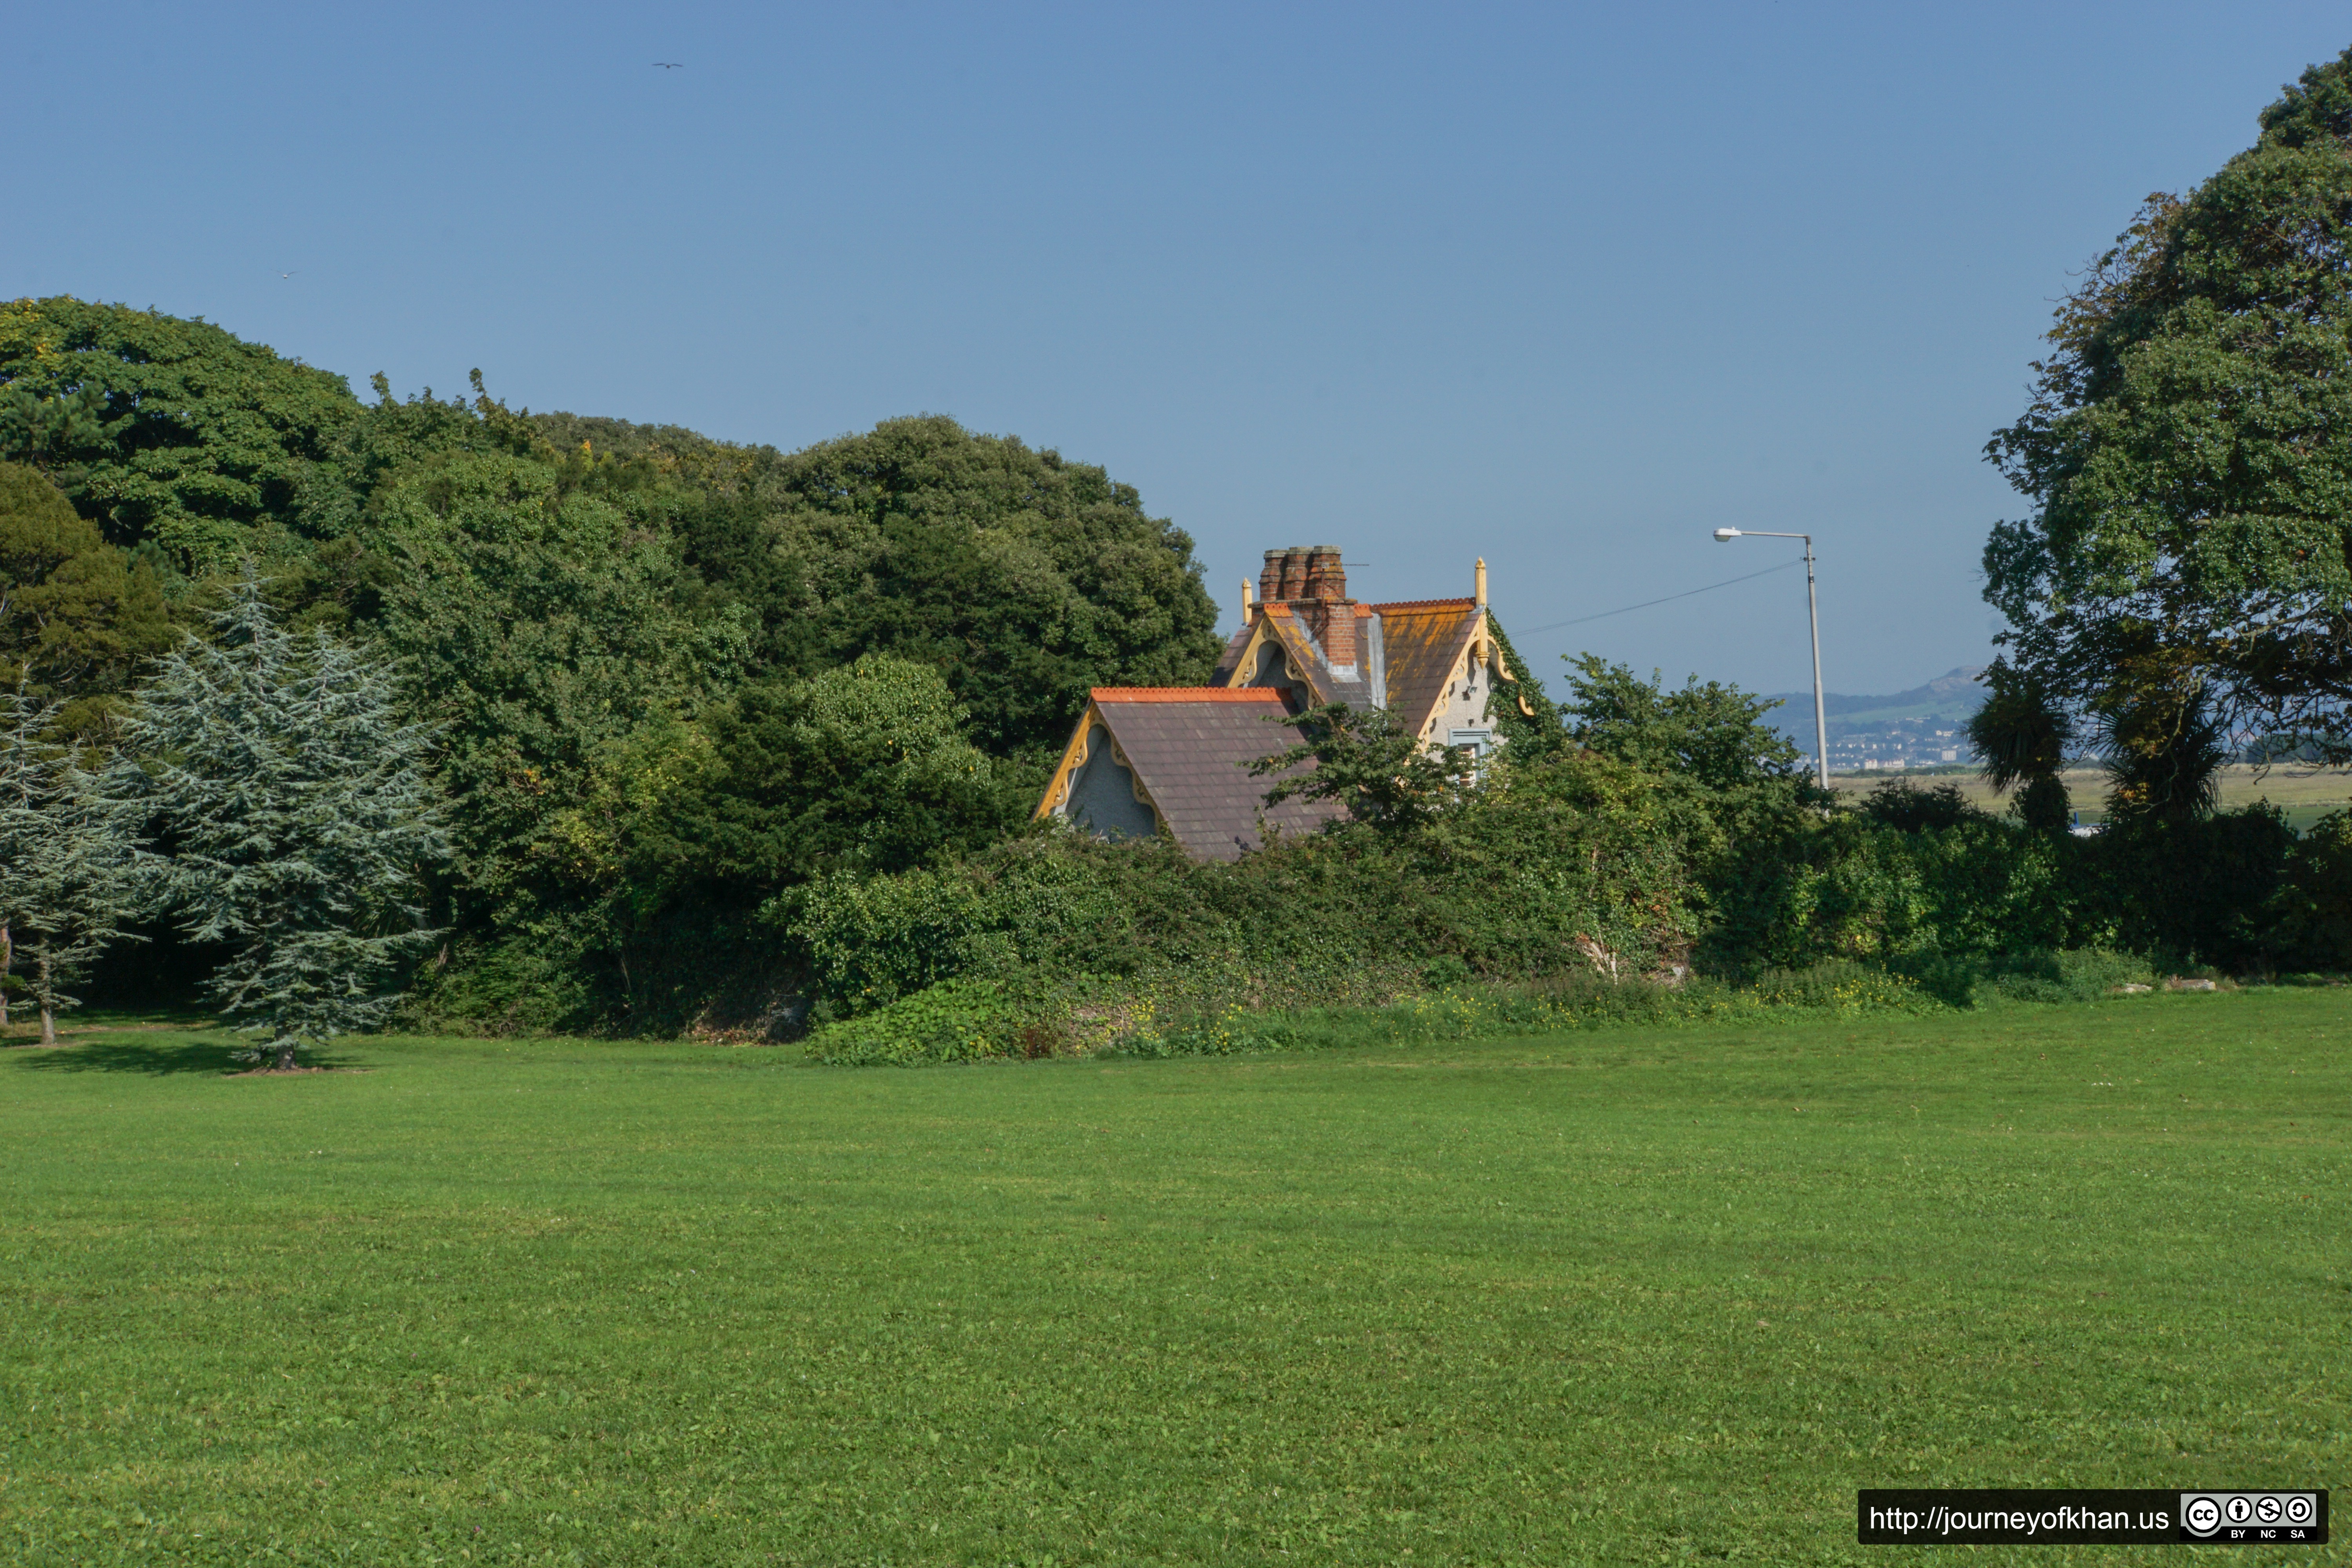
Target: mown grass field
x=1620, y=1296
x=2304, y=793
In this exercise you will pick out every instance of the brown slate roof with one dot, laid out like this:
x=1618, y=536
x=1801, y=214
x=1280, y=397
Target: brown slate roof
x=1281, y=624
x=1329, y=685
x=1424, y=638
x=1230, y=660
x=1290, y=632
x=1191, y=747
x=1183, y=694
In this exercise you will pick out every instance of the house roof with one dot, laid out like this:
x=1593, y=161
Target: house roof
x=1280, y=625
x=1424, y=639
x=1185, y=694
x=1191, y=747
x=1328, y=684
x=1230, y=659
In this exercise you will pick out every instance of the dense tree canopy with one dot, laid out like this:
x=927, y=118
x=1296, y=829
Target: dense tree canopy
x=2188, y=453
x=648, y=656
x=864, y=768
x=1712, y=733
x=193, y=438
x=665, y=682
x=1023, y=578
x=76, y=617
x=540, y=627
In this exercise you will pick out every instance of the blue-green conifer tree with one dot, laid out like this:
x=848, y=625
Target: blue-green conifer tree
x=303, y=821
x=70, y=862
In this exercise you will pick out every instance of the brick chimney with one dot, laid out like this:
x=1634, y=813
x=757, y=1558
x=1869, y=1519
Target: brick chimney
x=1329, y=609
x=1269, y=578
x=1327, y=577
x=1294, y=575
x=1313, y=581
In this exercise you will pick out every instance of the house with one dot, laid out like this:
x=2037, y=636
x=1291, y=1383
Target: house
x=1144, y=759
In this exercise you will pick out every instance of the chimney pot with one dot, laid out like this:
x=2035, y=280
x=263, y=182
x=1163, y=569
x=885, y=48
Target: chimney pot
x=1294, y=573
x=1326, y=576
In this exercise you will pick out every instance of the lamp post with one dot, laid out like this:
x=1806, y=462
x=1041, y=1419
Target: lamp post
x=1812, y=608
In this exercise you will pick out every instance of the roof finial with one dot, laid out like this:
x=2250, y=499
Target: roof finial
x=1249, y=601
x=1478, y=644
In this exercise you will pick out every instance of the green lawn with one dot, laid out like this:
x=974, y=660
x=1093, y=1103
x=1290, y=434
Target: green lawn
x=1622, y=1296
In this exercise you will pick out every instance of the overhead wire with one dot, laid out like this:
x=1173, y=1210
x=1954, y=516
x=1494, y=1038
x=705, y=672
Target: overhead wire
x=1629, y=610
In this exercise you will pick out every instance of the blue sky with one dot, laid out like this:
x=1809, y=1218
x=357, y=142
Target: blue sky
x=1565, y=285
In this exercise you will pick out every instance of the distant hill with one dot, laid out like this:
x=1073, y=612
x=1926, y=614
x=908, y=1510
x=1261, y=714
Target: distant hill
x=1953, y=695
x=1916, y=726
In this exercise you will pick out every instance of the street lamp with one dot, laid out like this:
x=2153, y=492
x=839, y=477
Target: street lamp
x=1812, y=607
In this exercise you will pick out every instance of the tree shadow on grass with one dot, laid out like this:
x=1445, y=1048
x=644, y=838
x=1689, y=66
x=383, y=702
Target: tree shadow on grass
x=163, y=1057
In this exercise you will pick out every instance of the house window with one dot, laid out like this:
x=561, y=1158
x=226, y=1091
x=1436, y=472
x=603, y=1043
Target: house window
x=1480, y=742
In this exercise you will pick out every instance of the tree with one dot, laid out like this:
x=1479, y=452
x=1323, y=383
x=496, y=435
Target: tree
x=166, y=433
x=1368, y=763
x=68, y=862
x=42, y=430
x=548, y=634
x=1023, y=578
x=1905, y=806
x=1713, y=733
x=2022, y=737
x=650, y=656
x=1733, y=793
x=301, y=818
x=867, y=767
x=2188, y=449
x=863, y=769
x=76, y=617
x=2164, y=752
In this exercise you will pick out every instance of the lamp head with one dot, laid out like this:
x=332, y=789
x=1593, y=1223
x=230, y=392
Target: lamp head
x=1726, y=536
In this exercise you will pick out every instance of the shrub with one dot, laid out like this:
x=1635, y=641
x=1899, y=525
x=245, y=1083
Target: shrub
x=1444, y=972
x=1901, y=805
x=2048, y=975
x=1859, y=888
x=958, y=1020
x=1169, y=1015
x=1569, y=866
x=2315, y=914
x=2200, y=890
x=871, y=942
x=1040, y=903
x=1840, y=985
x=1548, y=893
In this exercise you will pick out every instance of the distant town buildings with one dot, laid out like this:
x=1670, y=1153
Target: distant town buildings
x=1896, y=747
x=1925, y=727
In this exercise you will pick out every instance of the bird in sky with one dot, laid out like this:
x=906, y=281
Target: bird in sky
x=668, y=65
x=286, y=274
